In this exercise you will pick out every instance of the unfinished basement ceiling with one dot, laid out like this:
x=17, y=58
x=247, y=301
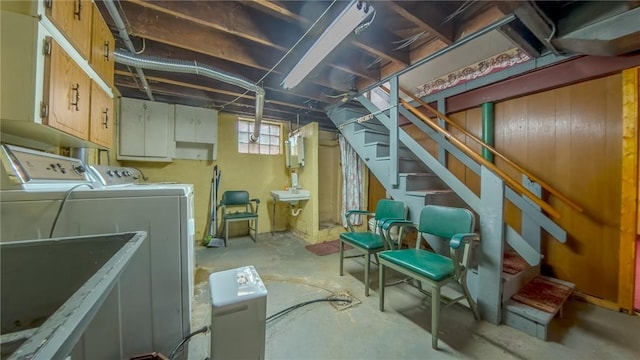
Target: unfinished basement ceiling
x=255, y=40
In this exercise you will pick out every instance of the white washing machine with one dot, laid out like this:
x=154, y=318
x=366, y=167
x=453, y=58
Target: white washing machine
x=160, y=287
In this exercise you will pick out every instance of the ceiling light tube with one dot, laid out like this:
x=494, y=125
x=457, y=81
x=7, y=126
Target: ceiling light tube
x=339, y=29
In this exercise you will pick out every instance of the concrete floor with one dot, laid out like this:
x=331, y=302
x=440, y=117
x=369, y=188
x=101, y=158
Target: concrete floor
x=319, y=331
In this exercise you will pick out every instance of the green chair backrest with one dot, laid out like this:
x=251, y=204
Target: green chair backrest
x=445, y=221
x=390, y=209
x=235, y=197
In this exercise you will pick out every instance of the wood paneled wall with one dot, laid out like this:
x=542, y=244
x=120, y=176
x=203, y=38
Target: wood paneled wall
x=571, y=138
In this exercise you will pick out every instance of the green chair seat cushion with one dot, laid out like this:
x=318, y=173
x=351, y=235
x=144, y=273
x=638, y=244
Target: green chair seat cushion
x=430, y=265
x=240, y=216
x=363, y=240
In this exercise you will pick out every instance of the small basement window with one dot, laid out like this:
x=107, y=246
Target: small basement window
x=268, y=143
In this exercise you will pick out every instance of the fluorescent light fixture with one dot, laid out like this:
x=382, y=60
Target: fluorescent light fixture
x=342, y=26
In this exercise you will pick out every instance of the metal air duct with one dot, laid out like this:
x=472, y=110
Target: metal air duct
x=192, y=67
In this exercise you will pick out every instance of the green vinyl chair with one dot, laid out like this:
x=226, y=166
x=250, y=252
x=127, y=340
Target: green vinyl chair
x=367, y=242
x=235, y=205
x=433, y=271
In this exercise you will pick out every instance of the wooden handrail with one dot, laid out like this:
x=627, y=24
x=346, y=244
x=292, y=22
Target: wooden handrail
x=542, y=183
x=474, y=155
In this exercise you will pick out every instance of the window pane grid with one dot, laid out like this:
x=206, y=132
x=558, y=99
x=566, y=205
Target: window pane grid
x=268, y=142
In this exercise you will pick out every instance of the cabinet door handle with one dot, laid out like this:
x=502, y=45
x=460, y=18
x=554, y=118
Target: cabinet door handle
x=75, y=88
x=77, y=9
x=106, y=51
x=105, y=118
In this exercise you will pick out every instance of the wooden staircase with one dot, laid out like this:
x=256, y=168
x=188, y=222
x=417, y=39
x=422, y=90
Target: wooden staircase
x=421, y=179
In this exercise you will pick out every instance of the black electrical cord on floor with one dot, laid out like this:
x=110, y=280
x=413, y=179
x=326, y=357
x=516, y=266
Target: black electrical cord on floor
x=175, y=349
x=305, y=303
x=55, y=221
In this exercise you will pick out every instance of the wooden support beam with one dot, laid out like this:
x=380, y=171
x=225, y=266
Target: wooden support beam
x=218, y=91
x=230, y=18
x=629, y=190
x=425, y=20
x=152, y=25
x=227, y=17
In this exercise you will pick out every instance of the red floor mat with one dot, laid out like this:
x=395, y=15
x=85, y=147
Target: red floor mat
x=326, y=248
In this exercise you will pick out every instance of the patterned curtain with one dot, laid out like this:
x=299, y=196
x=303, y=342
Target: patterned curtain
x=352, y=180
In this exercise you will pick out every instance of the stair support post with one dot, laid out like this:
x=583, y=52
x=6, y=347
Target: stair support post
x=442, y=152
x=492, y=235
x=393, y=131
x=531, y=230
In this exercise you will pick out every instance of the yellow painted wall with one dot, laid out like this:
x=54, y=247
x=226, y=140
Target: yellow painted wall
x=306, y=223
x=258, y=174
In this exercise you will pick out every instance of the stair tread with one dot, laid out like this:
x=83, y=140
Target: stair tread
x=540, y=299
x=425, y=174
x=427, y=192
x=370, y=131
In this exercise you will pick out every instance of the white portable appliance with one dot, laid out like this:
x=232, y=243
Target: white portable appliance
x=238, y=314
x=44, y=194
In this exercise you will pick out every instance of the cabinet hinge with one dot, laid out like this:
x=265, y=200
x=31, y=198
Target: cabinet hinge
x=44, y=110
x=46, y=48
x=48, y=3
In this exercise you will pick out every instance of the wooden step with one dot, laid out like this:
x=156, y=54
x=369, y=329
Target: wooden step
x=533, y=307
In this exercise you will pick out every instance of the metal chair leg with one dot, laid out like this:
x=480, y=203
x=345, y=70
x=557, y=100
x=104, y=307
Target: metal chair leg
x=435, y=316
x=367, y=265
x=381, y=281
x=341, y=257
x=226, y=232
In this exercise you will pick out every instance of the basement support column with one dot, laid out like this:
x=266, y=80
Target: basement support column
x=394, y=102
x=488, y=129
x=492, y=235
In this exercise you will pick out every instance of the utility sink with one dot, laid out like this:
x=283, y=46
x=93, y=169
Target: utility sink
x=291, y=196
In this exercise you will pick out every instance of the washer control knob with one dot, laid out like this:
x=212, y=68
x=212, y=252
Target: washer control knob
x=118, y=173
x=79, y=169
x=110, y=172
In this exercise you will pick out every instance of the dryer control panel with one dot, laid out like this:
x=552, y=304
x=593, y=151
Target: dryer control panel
x=108, y=175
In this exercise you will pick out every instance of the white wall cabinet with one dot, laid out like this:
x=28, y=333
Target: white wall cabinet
x=146, y=130
x=195, y=124
x=196, y=133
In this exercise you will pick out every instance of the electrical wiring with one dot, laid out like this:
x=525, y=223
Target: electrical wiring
x=187, y=338
x=66, y=197
x=297, y=306
x=287, y=53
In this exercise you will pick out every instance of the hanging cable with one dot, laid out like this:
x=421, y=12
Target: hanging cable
x=66, y=197
x=187, y=338
x=286, y=54
x=297, y=306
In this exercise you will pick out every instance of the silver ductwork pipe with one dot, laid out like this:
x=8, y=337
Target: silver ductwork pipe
x=122, y=30
x=192, y=67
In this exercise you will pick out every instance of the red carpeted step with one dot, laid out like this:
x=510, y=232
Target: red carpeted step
x=544, y=293
x=512, y=263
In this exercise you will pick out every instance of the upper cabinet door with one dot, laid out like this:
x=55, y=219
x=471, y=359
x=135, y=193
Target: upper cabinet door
x=66, y=92
x=102, y=117
x=73, y=18
x=102, y=48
